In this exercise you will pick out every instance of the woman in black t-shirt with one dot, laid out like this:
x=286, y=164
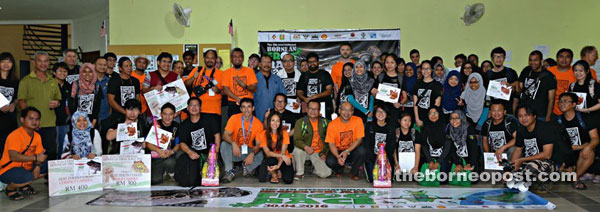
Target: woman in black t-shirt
x=379, y=132
x=588, y=87
x=9, y=85
x=427, y=93
x=407, y=142
x=464, y=143
x=391, y=78
x=345, y=88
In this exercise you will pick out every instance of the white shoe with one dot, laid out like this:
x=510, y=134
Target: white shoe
x=2, y=186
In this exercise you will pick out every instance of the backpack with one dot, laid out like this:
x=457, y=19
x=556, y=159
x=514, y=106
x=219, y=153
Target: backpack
x=579, y=119
x=304, y=126
x=590, y=87
x=508, y=120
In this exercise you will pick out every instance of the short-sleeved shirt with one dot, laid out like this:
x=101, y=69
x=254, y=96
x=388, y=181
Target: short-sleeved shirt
x=198, y=136
x=537, y=89
x=210, y=104
x=141, y=79
x=234, y=125
x=563, y=80
x=426, y=93
x=262, y=139
x=8, y=121
x=407, y=142
x=123, y=89
x=337, y=71
x=533, y=142
x=578, y=134
x=246, y=75
x=315, y=83
x=316, y=143
x=378, y=135
x=38, y=94
x=344, y=134
x=497, y=134
x=18, y=140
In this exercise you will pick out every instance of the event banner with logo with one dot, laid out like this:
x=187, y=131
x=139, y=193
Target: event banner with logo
x=333, y=198
x=126, y=171
x=367, y=45
x=74, y=176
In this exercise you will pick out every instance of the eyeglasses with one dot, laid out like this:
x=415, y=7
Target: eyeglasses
x=434, y=113
x=426, y=69
x=313, y=62
x=564, y=101
x=474, y=82
x=287, y=61
x=456, y=118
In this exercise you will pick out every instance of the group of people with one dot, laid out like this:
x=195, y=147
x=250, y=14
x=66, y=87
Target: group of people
x=443, y=115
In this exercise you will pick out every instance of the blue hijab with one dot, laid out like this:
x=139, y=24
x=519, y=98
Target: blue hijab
x=450, y=94
x=410, y=81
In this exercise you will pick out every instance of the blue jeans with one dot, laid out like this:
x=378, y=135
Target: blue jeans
x=61, y=132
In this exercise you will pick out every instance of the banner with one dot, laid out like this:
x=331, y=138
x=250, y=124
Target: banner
x=367, y=45
x=174, y=93
x=74, y=176
x=328, y=198
x=126, y=171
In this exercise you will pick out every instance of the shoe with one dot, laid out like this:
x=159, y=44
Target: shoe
x=229, y=175
x=586, y=177
x=543, y=188
x=354, y=177
x=244, y=171
x=339, y=174
x=596, y=179
x=298, y=177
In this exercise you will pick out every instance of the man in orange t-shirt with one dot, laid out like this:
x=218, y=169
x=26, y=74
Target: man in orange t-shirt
x=208, y=83
x=309, y=140
x=141, y=63
x=345, y=134
x=564, y=75
x=23, y=159
x=238, y=82
x=239, y=141
x=338, y=68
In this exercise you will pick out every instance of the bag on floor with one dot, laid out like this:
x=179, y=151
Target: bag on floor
x=463, y=180
x=429, y=174
x=382, y=172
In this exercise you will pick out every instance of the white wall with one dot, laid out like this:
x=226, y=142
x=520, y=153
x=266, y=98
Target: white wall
x=86, y=32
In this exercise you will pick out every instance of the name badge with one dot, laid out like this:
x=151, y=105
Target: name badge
x=244, y=149
x=211, y=92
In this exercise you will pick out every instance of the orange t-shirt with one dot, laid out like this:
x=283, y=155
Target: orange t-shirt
x=210, y=104
x=246, y=75
x=234, y=125
x=316, y=143
x=344, y=134
x=337, y=71
x=18, y=140
x=262, y=139
x=141, y=78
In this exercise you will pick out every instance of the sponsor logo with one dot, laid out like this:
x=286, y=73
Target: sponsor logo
x=296, y=37
x=323, y=36
x=352, y=34
x=337, y=36
x=385, y=35
x=274, y=36
x=373, y=35
x=314, y=37
x=281, y=36
x=305, y=36
x=363, y=35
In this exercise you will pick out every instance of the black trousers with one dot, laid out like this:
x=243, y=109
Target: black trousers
x=357, y=157
x=49, y=141
x=287, y=171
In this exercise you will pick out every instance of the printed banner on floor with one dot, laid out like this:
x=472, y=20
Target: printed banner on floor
x=367, y=45
x=333, y=198
x=126, y=171
x=174, y=93
x=74, y=176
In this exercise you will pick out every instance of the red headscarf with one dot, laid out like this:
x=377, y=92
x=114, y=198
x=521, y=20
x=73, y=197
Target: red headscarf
x=85, y=87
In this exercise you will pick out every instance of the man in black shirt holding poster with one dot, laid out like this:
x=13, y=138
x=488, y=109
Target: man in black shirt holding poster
x=316, y=84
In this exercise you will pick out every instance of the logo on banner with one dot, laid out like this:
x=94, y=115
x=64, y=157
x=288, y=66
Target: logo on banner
x=373, y=35
x=305, y=36
x=338, y=35
x=352, y=34
x=296, y=37
x=323, y=36
x=363, y=35
x=274, y=36
x=281, y=36
x=314, y=37
x=385, y=35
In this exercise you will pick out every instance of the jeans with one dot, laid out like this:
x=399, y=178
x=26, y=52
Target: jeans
x=61, y=131
x=228, y=158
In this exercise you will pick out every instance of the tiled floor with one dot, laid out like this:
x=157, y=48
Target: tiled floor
x=562, y=195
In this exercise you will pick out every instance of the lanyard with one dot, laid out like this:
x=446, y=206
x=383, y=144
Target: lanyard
x=244, y=132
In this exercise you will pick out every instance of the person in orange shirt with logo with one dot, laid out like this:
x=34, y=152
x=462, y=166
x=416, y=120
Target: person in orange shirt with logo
x=141, y=63
x=338, y=68
x=239, y=144
x=23, y=159
x=238, y=82
x=564, y=76
x=309, y=140
x=344, y=135
x=206, y=83
x=274, y=141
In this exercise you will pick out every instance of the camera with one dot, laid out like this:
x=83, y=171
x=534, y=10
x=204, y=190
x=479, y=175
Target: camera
x=201, y=90
x=507, y=166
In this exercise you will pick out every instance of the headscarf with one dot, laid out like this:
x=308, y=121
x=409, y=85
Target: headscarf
x=474, y=99
x=82, y=140
x=450, y=94
x=361, y=84
x=443, y=77
x=459, y=134
x=410, y=81
x=85, y=87
x=434, y=132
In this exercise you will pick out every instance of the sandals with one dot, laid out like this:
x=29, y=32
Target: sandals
x=16, y=195
x=579, y=185
x=274, y=180
x=27, y=190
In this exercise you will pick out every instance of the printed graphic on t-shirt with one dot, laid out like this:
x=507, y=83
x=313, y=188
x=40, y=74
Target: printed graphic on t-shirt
x=290, y=86
x=343, y=96
x=434, y=152
x=346, y=139
x=424, y=96
x=313, y=87
x=363, y=100
x=561, y=86
x=86, y=103
x=237, y=89
x=240, y=137
x=380, y=139
x=531, y=89
x=497, y=139
x=501, y=79
x=461, y=150
x=127, y=93
x=395, y=85
x=198, y=139
x=531, y=147
x=8, y=92
x=72, y=78
x=406, y=146
x=574, y=136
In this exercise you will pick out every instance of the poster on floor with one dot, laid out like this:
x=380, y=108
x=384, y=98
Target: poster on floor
x=174, y=93
x=71, y=176
x=327, y=198
x=367, y=45
x=126, y=171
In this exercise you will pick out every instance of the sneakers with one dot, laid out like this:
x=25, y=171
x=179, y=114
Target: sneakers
x=244, y=171
x=229, y=175
x=586, y=177
x=298, y=177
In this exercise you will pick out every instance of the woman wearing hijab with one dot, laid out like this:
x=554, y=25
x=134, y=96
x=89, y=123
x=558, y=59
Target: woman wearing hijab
x=451, y=94
x=463, y=140
x=439, y=73
x=345, y=88
x=435, y=146
x=361, y=99
x=410, y=79
x=83, y=141
x=474, y=98
x=85, y=96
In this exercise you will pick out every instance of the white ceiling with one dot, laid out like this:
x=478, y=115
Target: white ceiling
x=50, y=9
